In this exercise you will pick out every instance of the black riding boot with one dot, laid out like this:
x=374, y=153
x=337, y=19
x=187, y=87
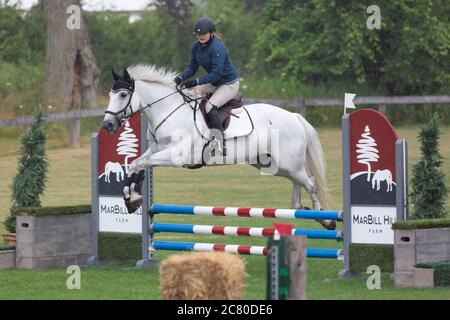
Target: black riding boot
x=213, y=117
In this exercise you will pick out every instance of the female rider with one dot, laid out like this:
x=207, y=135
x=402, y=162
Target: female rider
x=221, y=79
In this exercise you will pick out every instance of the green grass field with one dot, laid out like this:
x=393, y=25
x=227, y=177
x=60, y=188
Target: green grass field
x=240, y=185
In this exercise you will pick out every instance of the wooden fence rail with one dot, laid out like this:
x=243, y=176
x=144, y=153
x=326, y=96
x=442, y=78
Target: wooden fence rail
x=381, y=102
x=300, y=105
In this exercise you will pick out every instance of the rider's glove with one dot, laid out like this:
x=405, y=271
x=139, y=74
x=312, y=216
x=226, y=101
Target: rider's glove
x=191, y=83
x=178, y=80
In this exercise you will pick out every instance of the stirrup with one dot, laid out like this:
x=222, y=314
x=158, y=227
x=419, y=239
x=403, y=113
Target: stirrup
x=215, y=145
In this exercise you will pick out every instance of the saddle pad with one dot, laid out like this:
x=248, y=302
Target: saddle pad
x=238, y=127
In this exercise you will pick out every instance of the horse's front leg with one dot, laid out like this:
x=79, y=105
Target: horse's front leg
x=132, y=190
x=132, y=194
x=133, y=181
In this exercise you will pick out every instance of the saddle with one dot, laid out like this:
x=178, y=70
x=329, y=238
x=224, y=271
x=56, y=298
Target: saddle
x=224, y=111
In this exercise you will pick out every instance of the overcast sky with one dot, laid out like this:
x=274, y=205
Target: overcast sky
x=97, y=4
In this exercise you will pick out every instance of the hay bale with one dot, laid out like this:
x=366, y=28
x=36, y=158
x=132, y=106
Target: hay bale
x=202, y=276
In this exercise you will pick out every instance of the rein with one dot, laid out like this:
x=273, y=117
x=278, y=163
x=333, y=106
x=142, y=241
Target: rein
x=130, y=89
x=187, y=100
x=128, y=105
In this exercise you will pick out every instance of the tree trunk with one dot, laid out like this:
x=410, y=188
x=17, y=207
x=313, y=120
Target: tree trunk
x=71, y=74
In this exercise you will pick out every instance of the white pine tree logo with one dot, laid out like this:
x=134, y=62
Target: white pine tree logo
x=127, y=145
x=367, y=151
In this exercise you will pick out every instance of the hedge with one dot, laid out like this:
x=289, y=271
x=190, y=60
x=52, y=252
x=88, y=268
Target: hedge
x=5, y=248
x=421, y=224
x=441, y=272
x=365, y=255
x=119, y=246
x=54, y=211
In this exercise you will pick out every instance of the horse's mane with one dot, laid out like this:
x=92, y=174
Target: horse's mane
x=151, y=73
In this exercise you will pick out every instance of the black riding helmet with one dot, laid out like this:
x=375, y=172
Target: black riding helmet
x=203, y=26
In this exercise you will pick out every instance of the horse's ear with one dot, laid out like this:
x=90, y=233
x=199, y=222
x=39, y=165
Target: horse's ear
x=114, y=74
x=126, y=75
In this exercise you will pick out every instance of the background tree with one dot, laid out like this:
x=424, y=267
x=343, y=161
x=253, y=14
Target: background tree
x=428, y=181
x=322, y=42
x=280, y=48
x=22, y=45
x=71, y=73
x=238, y=27
x=29, y=182
x=21, y=38
x=252, y=5
x=180, y=14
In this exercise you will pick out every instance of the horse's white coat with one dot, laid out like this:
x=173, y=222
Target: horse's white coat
x=178, y=143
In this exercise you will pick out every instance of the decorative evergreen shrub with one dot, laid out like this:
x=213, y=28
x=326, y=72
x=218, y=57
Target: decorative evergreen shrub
x=29, y=182
x=428, y=184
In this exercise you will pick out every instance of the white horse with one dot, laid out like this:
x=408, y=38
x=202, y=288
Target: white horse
x=382, y=175
x=152, y=91
x=113, y=167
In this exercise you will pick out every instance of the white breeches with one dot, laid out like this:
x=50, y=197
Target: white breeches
x=221, y=94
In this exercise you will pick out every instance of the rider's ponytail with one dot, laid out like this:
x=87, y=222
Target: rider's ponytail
x=218, y=35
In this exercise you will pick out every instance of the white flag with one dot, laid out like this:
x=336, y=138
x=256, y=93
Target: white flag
x=348, y=100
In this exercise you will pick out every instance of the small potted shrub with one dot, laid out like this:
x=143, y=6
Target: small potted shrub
x=28, y=184
x=421, y=242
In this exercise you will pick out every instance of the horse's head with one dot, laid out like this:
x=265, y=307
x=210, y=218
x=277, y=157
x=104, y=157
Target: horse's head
x=121, y=102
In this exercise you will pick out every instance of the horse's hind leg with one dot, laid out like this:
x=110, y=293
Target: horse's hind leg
x=296, y=197
x=302, y=178
x=296, y=202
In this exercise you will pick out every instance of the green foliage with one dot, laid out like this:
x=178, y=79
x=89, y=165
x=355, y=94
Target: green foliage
x=119, y=246
x=319, y=41
x=20, y=87
x=428, y=181
x=22, y=34
x=152, y=39
x=315, y=40
x=22, y=51
x=414, y=114
x=441, y=272
x=282, y=49
x=364, y=255
x=6, y=248
x=413, y=55
x=55, y=211
x=421, y=224
x=159, y=40
x=29, y=182
x=237, y=26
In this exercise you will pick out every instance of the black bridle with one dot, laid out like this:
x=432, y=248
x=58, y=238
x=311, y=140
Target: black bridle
x=121, y=85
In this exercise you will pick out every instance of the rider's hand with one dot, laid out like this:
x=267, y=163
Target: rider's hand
x=178, y=80
x=190, y=83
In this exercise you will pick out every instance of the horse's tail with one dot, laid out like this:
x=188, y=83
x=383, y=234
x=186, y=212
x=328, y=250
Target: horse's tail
x=315, y=161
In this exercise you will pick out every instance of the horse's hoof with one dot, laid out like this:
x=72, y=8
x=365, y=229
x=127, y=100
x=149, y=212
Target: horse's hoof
x=127, y=204
x=328, y=224
x=135, y=202
x=131, y=207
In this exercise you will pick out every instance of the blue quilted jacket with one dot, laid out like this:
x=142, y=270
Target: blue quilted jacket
x=213, y=57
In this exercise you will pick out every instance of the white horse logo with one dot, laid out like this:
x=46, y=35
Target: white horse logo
x=382, y=175
x=113, y=167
